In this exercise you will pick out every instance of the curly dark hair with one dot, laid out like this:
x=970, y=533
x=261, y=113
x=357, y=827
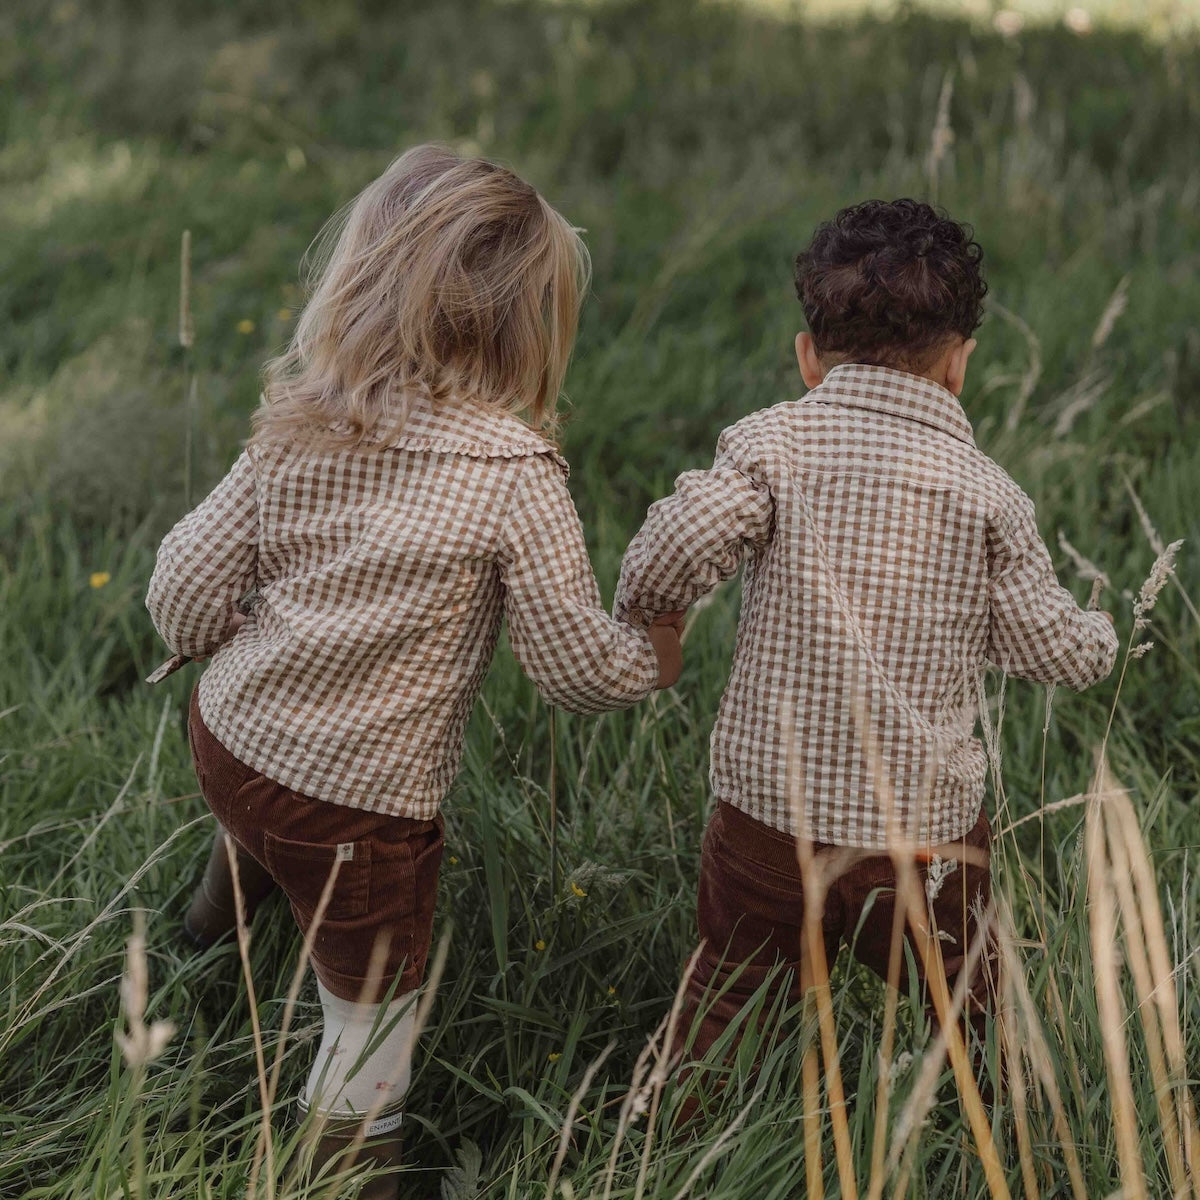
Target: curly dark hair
x=888, y=282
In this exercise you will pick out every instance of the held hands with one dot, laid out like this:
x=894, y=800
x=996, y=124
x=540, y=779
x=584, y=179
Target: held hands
x=664, y=634
x=673, y=620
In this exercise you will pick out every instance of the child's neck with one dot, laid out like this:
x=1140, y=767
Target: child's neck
x=948, y=369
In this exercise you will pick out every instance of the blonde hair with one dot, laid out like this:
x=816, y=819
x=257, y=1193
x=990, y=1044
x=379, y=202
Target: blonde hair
x=446, y=277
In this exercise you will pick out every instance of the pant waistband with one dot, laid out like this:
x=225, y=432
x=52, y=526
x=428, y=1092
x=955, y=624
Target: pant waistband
x=774, y=848
x=761, y=842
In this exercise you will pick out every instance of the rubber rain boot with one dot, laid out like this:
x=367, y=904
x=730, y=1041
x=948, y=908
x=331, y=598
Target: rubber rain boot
x=212, y=915
x=339, y=1144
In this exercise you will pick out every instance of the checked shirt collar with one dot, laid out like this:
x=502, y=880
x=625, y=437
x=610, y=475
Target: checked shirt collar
x=896, y=393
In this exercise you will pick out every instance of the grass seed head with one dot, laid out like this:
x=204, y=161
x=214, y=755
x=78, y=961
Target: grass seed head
x=142, y=1043
x=1160, y=573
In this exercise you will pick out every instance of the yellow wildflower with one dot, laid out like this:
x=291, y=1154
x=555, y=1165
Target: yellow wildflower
x=539, y=944
x=98, y=579
x=284, y=314
x=453, y=861
x=554, y=1056
x=612, y=991
x=245, y=325
x=577, y=890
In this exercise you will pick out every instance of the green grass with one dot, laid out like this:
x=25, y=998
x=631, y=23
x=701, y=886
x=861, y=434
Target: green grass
x=698, y=145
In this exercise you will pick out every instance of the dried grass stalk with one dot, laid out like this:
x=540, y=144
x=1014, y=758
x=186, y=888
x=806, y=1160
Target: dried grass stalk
x=1106, y=970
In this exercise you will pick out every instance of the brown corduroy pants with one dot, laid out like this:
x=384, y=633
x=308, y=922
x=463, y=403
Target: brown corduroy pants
x=751, y=913
x=378, y=919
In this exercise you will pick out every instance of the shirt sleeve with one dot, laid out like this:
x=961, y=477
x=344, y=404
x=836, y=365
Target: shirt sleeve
x=1036, y=630
x=206, y=564
x=580, y=658
x=697, y=537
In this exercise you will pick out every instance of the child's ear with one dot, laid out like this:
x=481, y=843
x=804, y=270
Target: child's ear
x=956, y=367
x=811, y=370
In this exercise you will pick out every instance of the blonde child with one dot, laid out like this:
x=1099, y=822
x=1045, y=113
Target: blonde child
x=389, y=511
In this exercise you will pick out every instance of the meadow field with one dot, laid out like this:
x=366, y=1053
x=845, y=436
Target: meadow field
x=698, y=144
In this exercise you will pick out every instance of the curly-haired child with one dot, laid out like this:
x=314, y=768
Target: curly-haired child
x=887, y=561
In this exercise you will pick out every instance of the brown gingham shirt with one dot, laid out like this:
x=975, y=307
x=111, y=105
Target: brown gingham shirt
x=887, y=560
x=382, y=577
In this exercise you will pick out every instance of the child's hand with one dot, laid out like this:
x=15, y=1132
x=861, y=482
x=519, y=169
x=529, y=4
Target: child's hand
x=665, y=640
x=673, y=620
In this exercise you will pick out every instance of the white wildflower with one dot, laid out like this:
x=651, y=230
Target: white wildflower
x=940, y=869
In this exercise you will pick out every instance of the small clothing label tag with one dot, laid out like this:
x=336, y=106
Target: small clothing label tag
x=345, y=852
x=385, y=1124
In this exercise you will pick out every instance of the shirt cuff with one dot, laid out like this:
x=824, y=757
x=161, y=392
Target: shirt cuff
x=1109, y=644
x=632, y=614
x=645, y=666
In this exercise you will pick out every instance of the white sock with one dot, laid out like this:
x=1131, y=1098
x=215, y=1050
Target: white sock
x=364, y=1062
